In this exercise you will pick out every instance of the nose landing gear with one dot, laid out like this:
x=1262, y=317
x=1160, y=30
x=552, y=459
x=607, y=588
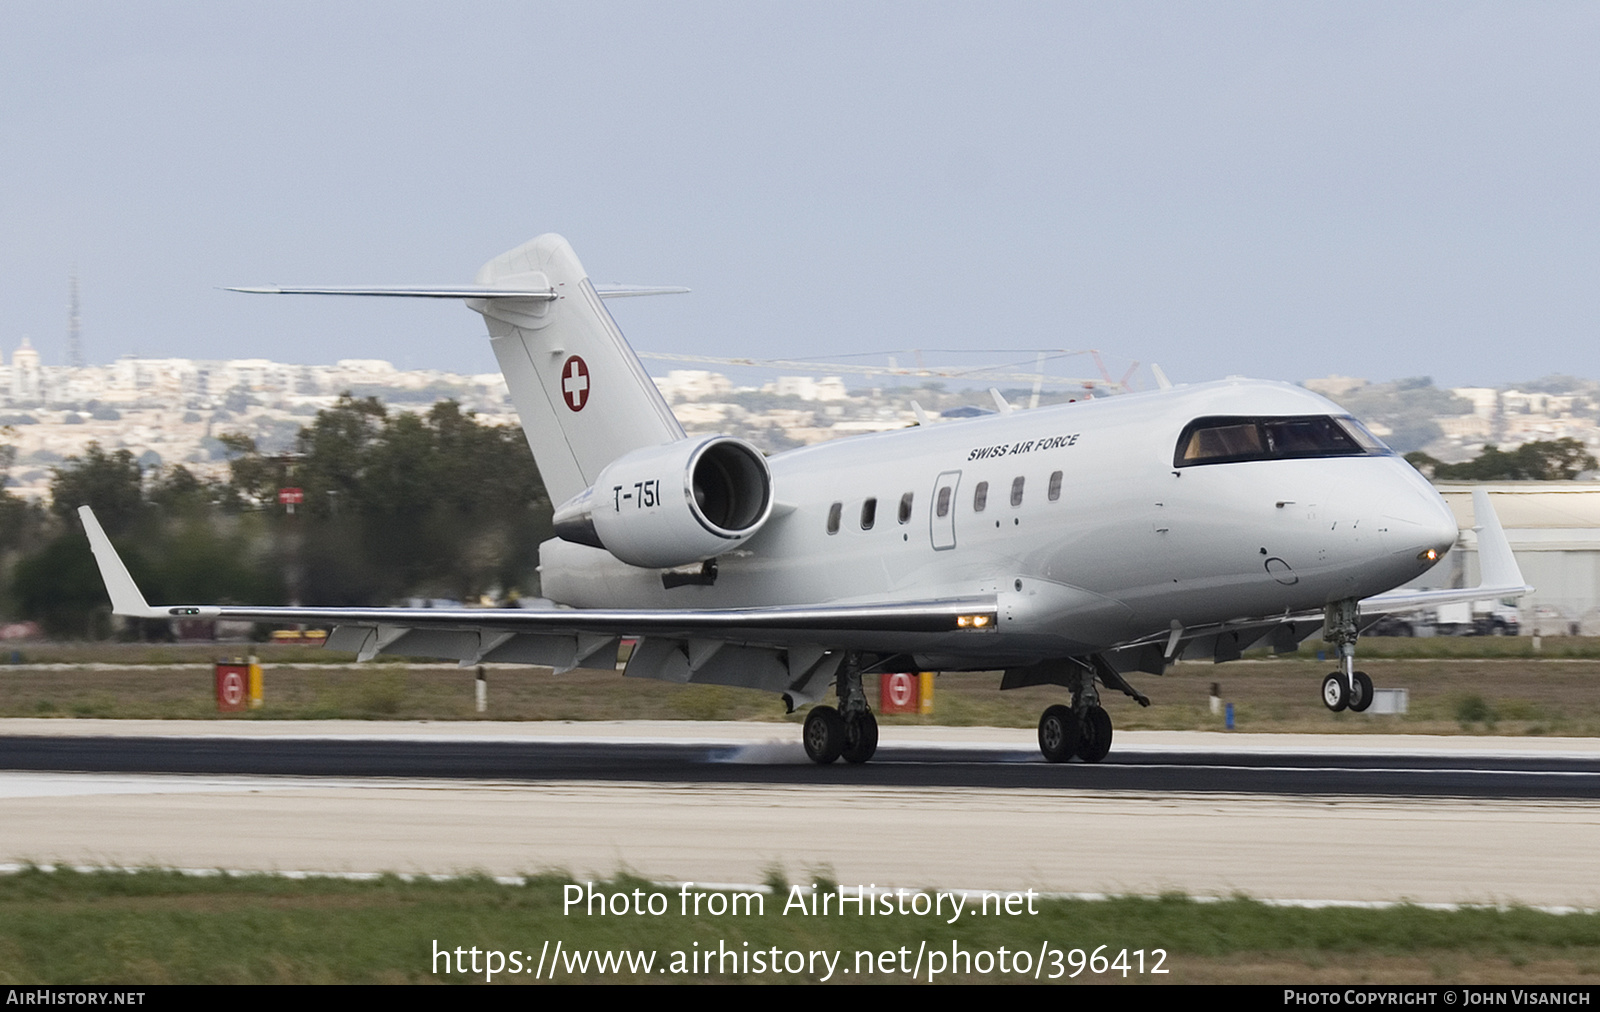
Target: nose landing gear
x=1347, y=687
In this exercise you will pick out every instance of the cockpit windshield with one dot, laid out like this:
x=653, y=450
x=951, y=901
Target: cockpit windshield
x=1226, y=440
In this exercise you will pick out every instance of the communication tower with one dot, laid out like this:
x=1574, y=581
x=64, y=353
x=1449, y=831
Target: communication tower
x=74, y=338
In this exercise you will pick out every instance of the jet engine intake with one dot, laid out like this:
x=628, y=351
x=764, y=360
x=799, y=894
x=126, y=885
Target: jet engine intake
x=673, y=505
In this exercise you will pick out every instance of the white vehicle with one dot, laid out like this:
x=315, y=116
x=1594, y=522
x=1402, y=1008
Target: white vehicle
x=1070, y=545
x=1477, y=618
x=1459, y=618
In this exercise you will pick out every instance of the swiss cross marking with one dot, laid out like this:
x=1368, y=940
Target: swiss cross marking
x=575, y=383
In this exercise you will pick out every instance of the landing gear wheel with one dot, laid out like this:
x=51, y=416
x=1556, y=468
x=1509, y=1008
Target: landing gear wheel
x=1361, y=696
x=1334, y=694
x=824, y=734
x=1096, y=740
x=1059, y=734
x=860, y=737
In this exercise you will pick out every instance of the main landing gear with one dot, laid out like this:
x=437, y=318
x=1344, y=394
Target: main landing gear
x=1346, y=688
x=1082, y=729
x=1062, y=734
x=850, y=731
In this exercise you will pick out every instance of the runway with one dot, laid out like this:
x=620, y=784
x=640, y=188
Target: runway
x=912, y=765
x=1335, y=818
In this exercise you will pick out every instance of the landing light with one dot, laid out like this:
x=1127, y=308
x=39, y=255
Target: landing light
x=1431, y=555
x=973, y=621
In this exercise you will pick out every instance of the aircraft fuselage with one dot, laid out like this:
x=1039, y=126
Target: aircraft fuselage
x=1075, y=516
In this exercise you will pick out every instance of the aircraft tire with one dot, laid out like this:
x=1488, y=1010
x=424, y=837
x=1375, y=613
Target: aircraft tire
x=824, y=734
x=1334, y=694
x=1096, y=739
x=860, y=737
x=1361, y=698
x=1059, y=733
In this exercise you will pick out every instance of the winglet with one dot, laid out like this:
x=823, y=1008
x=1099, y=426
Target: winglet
x=1497, y=566
x=125, y=597
x=1499, y=576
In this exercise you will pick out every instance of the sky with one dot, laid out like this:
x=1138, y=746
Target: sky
x=1275, y=190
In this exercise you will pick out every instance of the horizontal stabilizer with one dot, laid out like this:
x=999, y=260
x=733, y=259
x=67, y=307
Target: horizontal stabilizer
x=628, y=291
x=460, y=291
x=416, y=292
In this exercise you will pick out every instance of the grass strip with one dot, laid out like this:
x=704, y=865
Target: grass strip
x=1497, y=696
x=166, y=927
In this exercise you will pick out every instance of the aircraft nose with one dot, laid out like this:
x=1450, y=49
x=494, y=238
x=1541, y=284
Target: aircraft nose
x=1416, y=520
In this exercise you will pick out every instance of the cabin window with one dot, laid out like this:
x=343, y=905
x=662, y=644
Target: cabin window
x=943, y=506
x=834, y=512
x=1055, y=486
x=1016, y=491
x=980, y=497
x=905, y=508
x=869, y=514
x=1230, y=440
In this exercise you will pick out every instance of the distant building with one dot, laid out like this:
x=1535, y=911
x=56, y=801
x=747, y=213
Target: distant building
x=1485, y=400
x=693, y=385
x=1473, y=426
x=27, y=378
x=1554, y=531
x=1334, y=387
x=808, y=388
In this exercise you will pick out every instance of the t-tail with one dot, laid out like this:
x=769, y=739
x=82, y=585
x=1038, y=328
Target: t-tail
x=583, y=397
x=580, y=391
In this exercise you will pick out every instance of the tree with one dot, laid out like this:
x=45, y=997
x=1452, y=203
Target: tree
x=111, y=484
x=60, y=587
x=21, y=525
x=186, y=549
x=436, y=504
x=1542, y=460
x=179, y=493
x=396, y=504
x=13, y=511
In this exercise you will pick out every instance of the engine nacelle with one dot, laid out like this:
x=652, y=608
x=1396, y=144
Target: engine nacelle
x=672, y=505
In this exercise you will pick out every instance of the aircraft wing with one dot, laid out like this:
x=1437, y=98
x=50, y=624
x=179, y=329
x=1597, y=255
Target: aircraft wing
x=726, y=646
x=1499, y=574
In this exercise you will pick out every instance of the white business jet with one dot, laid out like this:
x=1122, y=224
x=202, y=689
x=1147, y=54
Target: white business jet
x=1069, y=545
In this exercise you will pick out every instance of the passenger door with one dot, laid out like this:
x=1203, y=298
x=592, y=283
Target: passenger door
x=942, y=511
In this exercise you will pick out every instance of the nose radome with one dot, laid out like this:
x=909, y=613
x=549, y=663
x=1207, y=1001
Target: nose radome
x=1415, y=520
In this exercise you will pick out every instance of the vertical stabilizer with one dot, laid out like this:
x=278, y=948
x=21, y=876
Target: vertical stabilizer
x=583, y=397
